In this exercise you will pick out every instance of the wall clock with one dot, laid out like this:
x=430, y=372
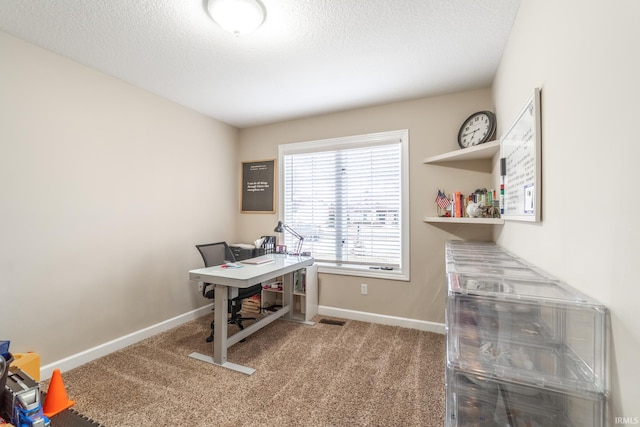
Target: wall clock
x=479, y=128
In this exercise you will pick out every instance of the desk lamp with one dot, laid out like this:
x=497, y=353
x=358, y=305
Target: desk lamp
x=280, y=228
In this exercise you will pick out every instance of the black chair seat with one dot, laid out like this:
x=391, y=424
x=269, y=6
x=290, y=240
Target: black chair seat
x=217, y=254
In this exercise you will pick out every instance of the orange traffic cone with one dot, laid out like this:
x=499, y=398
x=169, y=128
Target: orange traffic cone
x=56, y=400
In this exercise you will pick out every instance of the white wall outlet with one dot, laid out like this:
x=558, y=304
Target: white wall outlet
x=363, y=289
x=200, y=286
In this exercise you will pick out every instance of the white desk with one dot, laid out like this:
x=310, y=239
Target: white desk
x=227, y=281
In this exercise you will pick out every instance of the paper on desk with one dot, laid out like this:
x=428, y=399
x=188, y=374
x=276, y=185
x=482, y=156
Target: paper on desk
x=232, y=265
x=243, y=245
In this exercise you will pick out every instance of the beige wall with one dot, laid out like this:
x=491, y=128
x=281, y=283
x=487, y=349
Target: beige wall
x=585, y=57
x=433, y=125
x=104, y=191
x=102, y=184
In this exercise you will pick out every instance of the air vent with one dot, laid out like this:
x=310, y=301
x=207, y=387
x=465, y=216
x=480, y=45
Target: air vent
x=332, y=322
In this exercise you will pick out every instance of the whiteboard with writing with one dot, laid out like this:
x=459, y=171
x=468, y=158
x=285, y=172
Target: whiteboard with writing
x=520, y=149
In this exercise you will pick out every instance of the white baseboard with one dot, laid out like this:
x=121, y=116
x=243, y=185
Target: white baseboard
x=101, y=350
x=363, y=316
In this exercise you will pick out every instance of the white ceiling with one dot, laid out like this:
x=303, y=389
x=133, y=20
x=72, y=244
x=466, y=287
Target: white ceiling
x=309, y=57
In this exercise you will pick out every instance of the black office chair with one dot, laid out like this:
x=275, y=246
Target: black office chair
x=217, y=254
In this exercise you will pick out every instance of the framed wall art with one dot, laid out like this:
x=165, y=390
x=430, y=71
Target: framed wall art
x=258, y=187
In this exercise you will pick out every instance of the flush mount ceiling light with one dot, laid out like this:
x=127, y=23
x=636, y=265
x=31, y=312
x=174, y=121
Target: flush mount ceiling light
x=237, y=16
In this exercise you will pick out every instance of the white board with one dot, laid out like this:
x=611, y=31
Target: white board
x=521, y=152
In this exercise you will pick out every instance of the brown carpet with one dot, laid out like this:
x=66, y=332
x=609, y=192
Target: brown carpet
x=359, y=374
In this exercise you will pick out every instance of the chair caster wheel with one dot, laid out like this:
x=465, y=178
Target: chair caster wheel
x=209, y=339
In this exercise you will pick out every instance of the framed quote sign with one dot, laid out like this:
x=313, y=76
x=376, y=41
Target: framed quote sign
x=258, y=187
x=520, y=152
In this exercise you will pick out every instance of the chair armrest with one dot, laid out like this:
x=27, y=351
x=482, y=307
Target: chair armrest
x=208, y=291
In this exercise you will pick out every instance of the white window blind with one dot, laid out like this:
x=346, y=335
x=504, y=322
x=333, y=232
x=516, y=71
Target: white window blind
x=345, y=197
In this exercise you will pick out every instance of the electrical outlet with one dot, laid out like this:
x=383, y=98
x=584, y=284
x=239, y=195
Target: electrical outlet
x=200, y=286
x=363, y=289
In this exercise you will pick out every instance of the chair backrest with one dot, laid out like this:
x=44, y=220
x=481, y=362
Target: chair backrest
x=216, y=253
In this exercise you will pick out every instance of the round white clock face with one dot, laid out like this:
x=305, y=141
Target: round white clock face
x=477, y=129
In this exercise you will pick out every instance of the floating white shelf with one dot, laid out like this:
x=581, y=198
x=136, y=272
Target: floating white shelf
x=494, y=221
x=483, y=151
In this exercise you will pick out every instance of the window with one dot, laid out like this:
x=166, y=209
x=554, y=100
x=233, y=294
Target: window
x=348, y=197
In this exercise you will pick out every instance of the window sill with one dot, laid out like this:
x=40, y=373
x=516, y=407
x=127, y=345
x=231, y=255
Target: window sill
x=362, y=271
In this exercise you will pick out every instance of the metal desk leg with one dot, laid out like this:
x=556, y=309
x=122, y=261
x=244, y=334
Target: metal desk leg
x=287, y=294
x=220, y=325
x=220, y=342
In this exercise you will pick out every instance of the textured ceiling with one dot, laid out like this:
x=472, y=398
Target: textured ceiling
x=309, y=57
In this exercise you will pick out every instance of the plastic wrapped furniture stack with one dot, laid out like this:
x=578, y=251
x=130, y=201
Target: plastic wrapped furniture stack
x=523, y=348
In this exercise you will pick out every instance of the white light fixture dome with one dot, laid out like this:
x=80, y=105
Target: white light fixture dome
x=237, y=16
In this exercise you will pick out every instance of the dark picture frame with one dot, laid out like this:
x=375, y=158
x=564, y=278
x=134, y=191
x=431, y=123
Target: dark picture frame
x=258, y=193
